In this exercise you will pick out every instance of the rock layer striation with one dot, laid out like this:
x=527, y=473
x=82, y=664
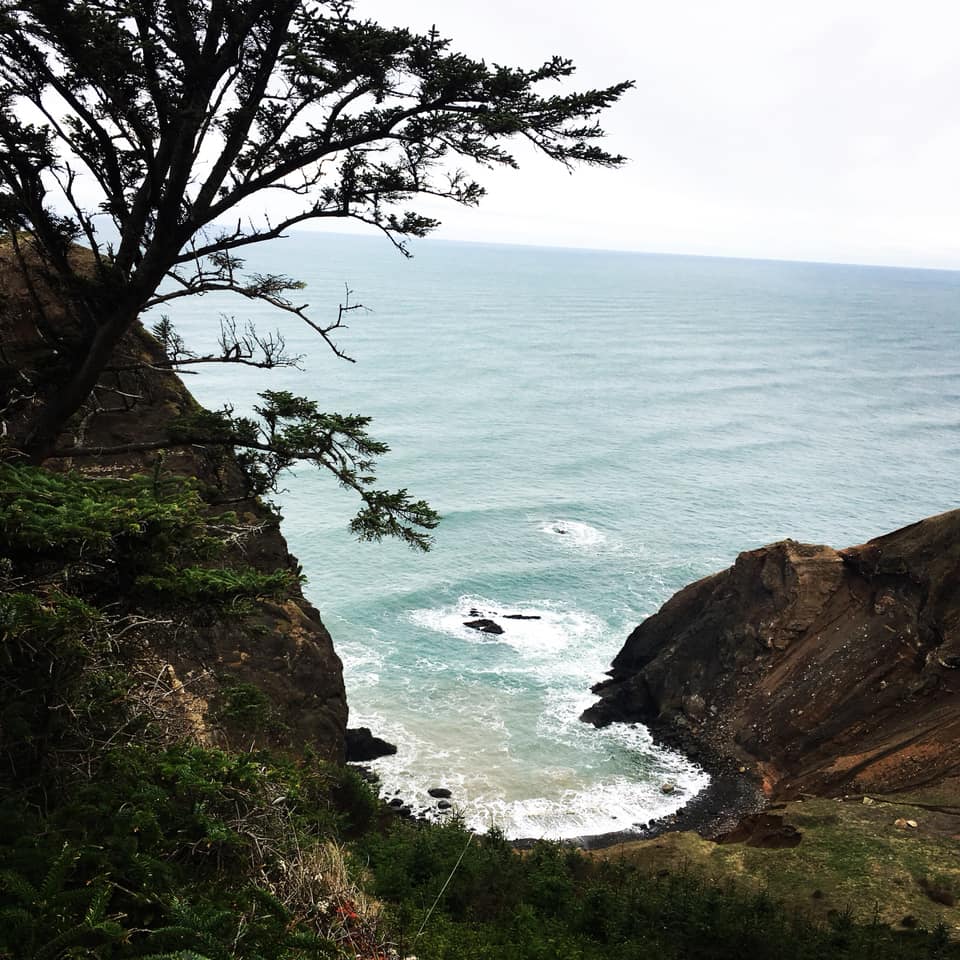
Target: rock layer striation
x=822, y=671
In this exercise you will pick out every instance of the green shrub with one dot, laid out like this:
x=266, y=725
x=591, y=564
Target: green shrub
x=244, y=706
x=59, y=682
x=72, y=516
x=553, y=902
x=227, y=586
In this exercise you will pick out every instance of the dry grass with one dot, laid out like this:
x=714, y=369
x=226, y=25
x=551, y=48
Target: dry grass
x=853, y=856
x=321, y=887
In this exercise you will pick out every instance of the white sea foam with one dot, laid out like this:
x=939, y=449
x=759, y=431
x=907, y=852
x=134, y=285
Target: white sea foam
x=574, y=533
x=361, y=664
x=472, y=737
x=548, y=631
x=557, y=803
x=495, y=784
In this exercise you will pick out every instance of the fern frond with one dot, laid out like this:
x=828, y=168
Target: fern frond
x=19, y=886
x=56, y=877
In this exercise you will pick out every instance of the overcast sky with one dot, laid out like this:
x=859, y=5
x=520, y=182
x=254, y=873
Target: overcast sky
x=815, y=131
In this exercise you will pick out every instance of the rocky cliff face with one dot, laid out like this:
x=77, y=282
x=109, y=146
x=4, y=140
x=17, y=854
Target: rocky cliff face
x=824, y=671
x=282, y=649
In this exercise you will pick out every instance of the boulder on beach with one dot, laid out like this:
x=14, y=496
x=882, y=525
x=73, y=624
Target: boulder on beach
x=362, y=745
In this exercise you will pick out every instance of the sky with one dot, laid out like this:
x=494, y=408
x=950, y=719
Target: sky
x=824, y=131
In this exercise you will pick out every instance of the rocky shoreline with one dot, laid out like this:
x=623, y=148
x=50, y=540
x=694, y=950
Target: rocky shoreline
x=800, y=670
x=732, y=794
x=818, y=671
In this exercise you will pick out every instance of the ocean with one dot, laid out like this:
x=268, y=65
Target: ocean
x=598, y=429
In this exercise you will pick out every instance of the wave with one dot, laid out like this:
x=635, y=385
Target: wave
x=574, y=532
x=541, y=629
x=555, y=801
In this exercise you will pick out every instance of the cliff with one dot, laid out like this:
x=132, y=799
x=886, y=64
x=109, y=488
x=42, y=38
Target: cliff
x=822, y=671
x=279, y=652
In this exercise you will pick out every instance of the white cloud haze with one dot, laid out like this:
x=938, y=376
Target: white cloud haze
x=817, y=131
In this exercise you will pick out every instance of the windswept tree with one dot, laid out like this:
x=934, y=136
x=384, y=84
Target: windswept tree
x=165, y=120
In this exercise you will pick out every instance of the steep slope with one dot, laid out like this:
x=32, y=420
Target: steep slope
x=280, y=649
x=825, y=671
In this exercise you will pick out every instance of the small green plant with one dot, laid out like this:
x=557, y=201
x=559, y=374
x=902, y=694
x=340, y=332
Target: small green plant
x=55, y=918
x=226, y=586
x=245, y=706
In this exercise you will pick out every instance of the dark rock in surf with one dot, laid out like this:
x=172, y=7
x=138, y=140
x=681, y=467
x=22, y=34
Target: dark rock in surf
x=439, y=793
x=484, y=626
x=362, y=745
x=522, y=616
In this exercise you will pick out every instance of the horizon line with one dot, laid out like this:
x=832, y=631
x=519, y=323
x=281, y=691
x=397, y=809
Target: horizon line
x=631, y=251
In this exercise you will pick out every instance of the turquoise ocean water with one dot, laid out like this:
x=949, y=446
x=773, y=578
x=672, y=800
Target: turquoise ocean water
x=598, y=429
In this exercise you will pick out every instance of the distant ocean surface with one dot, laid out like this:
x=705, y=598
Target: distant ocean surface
x=598, y=430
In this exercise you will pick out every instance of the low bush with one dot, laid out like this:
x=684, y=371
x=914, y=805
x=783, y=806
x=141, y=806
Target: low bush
x=555, y=902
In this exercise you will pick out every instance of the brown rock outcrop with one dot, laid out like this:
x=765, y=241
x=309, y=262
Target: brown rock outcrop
x=825, y=671
x=281, y=649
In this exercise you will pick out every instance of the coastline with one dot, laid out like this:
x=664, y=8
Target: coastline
x=715, y=810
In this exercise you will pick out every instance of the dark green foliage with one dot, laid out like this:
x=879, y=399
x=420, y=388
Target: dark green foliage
x=228, y=586
x=198, y=807
x=143, y=533
x=72, y=517
x=162, y=851
x=554, y=902
x=254, y=926
x=244, y=706
x=58, y=684
x=80, y=559
x=56, y=918
x=292, y=429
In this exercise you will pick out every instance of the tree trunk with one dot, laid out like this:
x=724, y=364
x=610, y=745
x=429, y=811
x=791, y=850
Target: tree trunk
x=67, y=400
